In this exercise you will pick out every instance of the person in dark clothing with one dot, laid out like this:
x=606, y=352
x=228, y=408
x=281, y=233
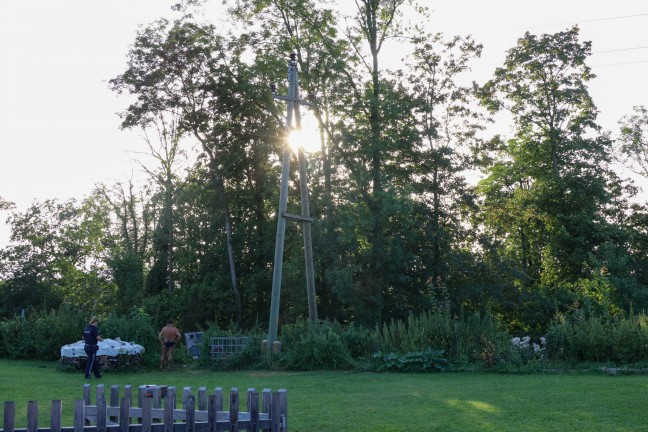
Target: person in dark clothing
x=92, y=338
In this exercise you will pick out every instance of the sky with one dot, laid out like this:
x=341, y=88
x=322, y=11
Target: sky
x=59, y=129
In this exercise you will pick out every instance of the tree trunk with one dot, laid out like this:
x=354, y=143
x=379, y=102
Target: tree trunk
x=436, y=241
x=170, y=239
x=220, y=185
x=376, y=205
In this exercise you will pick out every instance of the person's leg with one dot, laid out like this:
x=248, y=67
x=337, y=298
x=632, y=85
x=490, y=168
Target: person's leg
x=164, y=351
x=95, y=366
x=170, y=356
x=90, y=352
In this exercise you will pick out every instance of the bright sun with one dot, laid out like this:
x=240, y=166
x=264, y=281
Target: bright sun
x=308, y=137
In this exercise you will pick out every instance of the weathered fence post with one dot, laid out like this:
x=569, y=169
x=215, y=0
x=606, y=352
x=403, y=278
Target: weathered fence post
x=128, y=394
x=32, y=416
x=99, y=392
x=267, y=400
x=79, y=413
x=146, y=414
x=157, y=394
x=275, y=413
x=202, y=398
x=186, y=393
x=253, y=409
x=283, y=409
x=218, y=396
x=234, y=410
x=169, y=406
x=101, y=409
x=9, y=416
x=55, y=416
x=86, y=399
x=190, y=413
x=266, y=403
x=124, y=415
x=172, y=393
x=114, y=400
x=86, y=394
x=212, y=413
x=140, y=399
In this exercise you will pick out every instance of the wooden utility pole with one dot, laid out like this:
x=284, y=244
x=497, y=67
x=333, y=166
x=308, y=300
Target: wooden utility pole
x=292, y=113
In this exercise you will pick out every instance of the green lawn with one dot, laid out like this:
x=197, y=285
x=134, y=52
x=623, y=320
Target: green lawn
x=338, y=401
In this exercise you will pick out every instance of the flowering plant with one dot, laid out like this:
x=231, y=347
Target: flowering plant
x=529, y=350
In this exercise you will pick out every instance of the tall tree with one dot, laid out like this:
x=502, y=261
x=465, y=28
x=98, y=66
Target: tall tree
x=129, y=235
x=632, y=153
x=55, y=256
x=180, y=68
x=448, y=126
x=6, y=205
x=376, y=20
x=189, y=68
x=633, y=141
x=170, y=159
x=545, y=195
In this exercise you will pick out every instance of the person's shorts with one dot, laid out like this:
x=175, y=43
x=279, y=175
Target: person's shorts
x=169, y=344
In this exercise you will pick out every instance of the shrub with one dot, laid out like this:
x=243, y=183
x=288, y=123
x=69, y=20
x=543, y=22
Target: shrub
x=576, y=339
x=40, y=334
x=629, y=339
x=164, y=306
x=559, y=346
x=314, y=346
x=480, y=339
x=473, y=339
x=590, y=339
x=15, y=343
x=430, y=329
x=55, y=329
x=360, y=342
x=135, y=328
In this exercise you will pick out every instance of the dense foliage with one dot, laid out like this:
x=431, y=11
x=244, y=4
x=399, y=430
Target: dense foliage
x=430, y=342
x=409, y=255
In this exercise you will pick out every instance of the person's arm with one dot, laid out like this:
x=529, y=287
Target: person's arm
x=178, y=335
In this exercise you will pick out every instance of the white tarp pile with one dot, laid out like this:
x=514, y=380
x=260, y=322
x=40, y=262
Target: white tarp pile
x=112, y=353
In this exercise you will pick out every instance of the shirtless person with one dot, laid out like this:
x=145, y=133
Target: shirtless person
x=168, y=336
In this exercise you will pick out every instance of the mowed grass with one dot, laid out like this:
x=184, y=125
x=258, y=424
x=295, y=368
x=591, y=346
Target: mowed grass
x=340, y=401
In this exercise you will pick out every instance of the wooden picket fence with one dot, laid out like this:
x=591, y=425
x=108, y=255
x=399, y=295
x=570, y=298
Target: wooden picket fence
x=157, y=412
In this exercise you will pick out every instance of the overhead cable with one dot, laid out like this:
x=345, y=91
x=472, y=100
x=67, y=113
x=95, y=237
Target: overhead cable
x=620, y=49
x=619, y=64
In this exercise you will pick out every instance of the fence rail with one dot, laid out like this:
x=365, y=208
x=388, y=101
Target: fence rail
x=157, y=412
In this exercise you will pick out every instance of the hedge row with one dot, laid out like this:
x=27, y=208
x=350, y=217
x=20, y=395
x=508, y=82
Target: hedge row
x=428, y=342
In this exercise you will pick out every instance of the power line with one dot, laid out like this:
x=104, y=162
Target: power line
x=619, y=64
x=571, y=23
x=620, y=49
x=592, y=20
